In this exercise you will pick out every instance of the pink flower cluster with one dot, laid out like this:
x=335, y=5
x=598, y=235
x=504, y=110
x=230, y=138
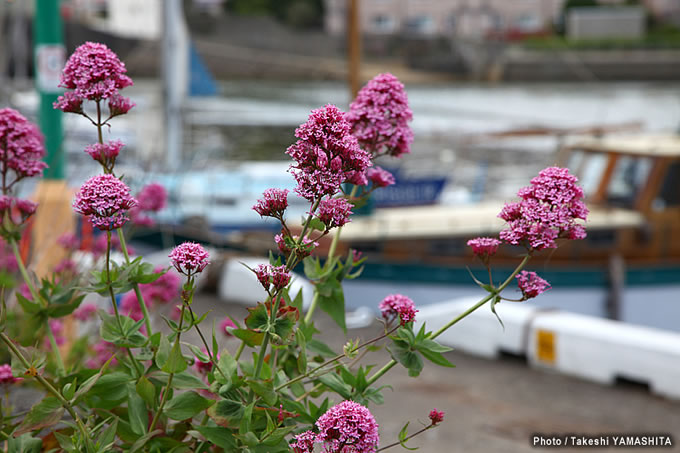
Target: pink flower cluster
x=105, y=153
x=151, y=198
x=305, y=249
x=348, y=427
x=189, y=258
x=268, y=275
x=85, y=312
x=548, y=210
x=380, y=177
x=21, y=148
x=105, y=199
x=531, y=284
x=17, y=211
x=398, y=306
x=436, y=416
x=204, y=367
x=484, y=247
x=66, y=266
x=273, y=203
x=6, y=376
x=226, y=322
x=334, y=212
x=379, y=117
x=326, y=154
x=94, y=73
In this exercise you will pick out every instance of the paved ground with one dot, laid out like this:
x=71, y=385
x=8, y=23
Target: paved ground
x=496, y=406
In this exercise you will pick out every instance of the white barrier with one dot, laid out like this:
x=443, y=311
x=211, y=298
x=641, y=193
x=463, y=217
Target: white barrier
x=480, y=333
x=238, y=284
x=602, y=350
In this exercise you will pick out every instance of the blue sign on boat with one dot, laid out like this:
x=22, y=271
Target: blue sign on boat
x=409, y=191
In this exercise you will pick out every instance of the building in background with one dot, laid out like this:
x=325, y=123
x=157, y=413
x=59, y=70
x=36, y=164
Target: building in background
x=125, y=18
x=471, y=18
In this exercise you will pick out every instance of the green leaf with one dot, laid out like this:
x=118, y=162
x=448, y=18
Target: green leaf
x=332, y=300
x=251, y=338
x=258, y=318
x=86, y=386
x=244, y=427
x=187, y=381
x=111, y=387
x=176, y=362
x=107, y=436
x=316, y=224
x=226, y=413
x=24, y=444
x=403, y=434
x=187, y=405
x=46, y=413
x=29, y=306
x=219, y=436
x=263, y=390
x=163, y=353
x=146, y=390
x=143, y=440
x=496, y=300
x=321, y=348
x=402, y=353
x=137, y=413
x=333, y=381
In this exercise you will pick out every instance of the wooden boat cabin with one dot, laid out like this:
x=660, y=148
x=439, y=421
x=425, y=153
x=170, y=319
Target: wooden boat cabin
x=632, y=186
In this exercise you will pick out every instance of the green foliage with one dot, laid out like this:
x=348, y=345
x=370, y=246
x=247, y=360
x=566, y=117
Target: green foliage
x=407, y=347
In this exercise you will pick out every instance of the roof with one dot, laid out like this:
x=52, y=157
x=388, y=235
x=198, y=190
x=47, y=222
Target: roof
x=427, y=222
x=660, y=145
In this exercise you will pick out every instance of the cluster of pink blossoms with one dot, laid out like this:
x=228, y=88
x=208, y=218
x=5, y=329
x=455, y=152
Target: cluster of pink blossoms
x=379, y=117
x=69, y=241
x=105, y=200
x=6, y=376
x=326, y=154
x=103, y=351
x=305, y=248
x=105, y=153
x=273, y=203
x=93, y=72
x=151, y=198
x=16, y=210
x=548, y=210
x=398, y=306
x=347, y=427
x=189, y=258
x=531, y=284
x=85, y=312
x=21, y=148
x=380, y=177
x=436, y=416
x=276, y=276
x=227, y=323
x=484, y=247
x=8, y=262
x=334, y=212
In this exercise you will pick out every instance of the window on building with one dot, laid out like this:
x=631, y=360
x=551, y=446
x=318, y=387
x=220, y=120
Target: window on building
x=383, y=23
x=422, y=24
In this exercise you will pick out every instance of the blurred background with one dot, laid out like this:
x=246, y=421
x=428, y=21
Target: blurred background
x=499, y=89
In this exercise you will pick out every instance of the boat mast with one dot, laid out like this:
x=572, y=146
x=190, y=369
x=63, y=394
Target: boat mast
x=175, y=74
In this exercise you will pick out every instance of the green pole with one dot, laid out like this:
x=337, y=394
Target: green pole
x=49, y=61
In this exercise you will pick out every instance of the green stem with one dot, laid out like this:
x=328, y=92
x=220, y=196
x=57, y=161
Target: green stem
x=109, y=283
x=333, y=360
x=403, y=442
x=55, y=348
x=169, y=385
x=212, y=355
x=47, y=385
x=135, y=286
x=260, y=357
x=24, y=272
x=488, y=297
x=38, y=300
x=239, y=351
x=331, y=253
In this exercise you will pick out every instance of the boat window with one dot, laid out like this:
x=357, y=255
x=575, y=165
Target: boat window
x=670, y=189
x=592, y=170
x=630, y=175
